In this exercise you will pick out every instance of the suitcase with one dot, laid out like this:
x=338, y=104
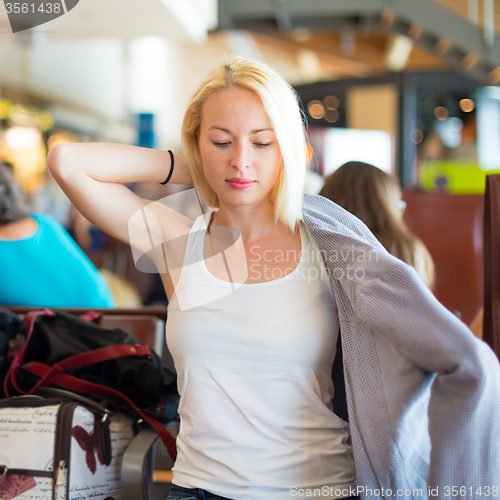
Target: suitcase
x=52, y=449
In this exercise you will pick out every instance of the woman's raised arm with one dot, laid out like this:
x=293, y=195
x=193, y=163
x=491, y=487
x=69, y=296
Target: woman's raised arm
x=116, y=163
x=92, y=176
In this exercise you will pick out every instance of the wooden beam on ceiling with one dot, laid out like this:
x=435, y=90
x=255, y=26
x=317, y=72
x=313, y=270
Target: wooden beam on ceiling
x=341, y=65
x=424, y=20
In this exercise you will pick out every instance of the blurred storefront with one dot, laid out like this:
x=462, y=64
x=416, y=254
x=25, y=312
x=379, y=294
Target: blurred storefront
x=25, y=124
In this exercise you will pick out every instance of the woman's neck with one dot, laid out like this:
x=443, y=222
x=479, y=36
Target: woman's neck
x=19, y=229
x=253, y=223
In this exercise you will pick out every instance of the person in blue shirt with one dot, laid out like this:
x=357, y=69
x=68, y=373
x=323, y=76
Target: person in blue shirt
x=40, y=264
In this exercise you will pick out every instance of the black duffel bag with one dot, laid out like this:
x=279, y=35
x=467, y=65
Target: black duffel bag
x=10, y=327
x=64, y=350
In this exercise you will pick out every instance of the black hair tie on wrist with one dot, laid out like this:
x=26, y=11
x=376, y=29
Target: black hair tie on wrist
x=171, y=167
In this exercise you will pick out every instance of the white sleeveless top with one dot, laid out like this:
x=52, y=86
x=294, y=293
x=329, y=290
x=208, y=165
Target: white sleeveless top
x=254, y=368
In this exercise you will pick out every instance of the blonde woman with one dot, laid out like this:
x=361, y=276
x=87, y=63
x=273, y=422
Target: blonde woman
x=262, y=288
x=374, y=197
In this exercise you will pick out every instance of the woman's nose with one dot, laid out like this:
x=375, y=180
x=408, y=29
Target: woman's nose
x=240, y=157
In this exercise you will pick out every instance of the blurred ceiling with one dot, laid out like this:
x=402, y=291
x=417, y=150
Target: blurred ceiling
x=366, y=37
x=172, y=19
x=461, y=7
x=322, y=38
x=364, y=55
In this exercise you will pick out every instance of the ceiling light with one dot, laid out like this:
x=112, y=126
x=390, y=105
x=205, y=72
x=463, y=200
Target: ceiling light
x=23, y=138
x=467, y=105
x=398, y=53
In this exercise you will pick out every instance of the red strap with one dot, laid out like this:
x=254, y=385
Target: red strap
x=14, y=366
x=88, y=358
x=103, y=354
x=93, y=317
x=78, y=385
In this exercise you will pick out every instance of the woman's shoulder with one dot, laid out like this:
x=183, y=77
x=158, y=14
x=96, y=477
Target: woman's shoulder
x=323, y=214
x=45, y=219
x=26, y=229
x=348, y=246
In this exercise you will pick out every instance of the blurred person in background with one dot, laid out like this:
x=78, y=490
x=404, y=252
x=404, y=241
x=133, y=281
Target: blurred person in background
x=374, y=197
x=50, y=199
x=40, y=264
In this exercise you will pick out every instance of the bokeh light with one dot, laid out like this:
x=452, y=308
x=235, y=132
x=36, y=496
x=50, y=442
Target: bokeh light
x=467, y=105
x=332, y=115
x=441, y=113
x=316, y=109
x=331, y=102
x=417, y=136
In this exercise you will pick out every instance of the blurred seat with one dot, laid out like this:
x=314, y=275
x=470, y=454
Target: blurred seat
x=146, y=323
x=491, y=318
x=148, y=329
x=451, y=226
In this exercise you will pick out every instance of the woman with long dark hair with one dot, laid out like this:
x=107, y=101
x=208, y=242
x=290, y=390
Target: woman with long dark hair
x=374, y=197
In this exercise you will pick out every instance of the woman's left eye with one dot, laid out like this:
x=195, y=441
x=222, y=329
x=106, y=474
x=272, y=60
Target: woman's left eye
x=262, y=144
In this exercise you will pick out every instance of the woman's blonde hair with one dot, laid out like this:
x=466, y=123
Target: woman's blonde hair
x=373, y=197
x=281, y=104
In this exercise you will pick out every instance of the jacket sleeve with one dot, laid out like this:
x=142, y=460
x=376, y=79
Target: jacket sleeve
x=464, y=408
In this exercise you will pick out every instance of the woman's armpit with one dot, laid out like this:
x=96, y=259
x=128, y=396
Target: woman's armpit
x=158, y=237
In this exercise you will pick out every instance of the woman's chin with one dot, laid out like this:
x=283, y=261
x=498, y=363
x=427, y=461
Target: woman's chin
x=244, y=199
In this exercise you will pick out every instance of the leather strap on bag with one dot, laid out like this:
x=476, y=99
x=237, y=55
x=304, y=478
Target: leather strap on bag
x=93, y=317
x=16, y=362
x=89, y=358
x=78, y=385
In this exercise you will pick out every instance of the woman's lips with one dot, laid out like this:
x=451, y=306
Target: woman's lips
x=240, y=183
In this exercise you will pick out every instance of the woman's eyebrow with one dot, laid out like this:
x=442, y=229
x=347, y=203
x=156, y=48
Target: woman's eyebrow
x=256, y=131
x=261, y=130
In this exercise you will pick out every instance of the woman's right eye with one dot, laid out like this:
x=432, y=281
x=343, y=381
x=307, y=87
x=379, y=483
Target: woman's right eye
x=221, y=144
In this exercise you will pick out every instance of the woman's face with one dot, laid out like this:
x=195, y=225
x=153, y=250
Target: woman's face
x=238, y=147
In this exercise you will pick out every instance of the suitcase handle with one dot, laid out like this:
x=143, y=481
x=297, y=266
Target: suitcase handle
x=53, y=393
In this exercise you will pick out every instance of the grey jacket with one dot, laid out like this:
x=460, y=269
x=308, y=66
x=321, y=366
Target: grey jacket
x=423, y=393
